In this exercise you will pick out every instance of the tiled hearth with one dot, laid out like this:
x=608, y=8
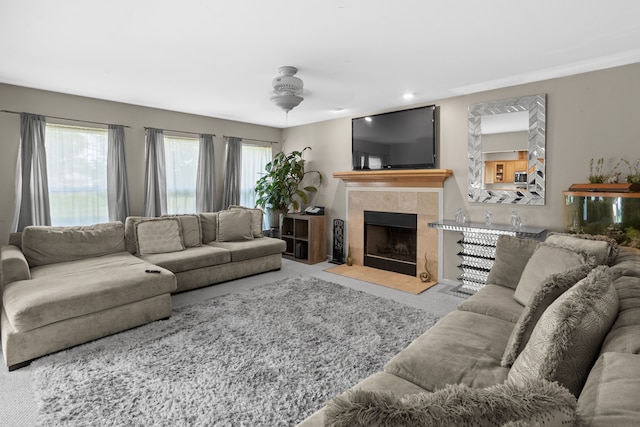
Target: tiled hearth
x=416, y=192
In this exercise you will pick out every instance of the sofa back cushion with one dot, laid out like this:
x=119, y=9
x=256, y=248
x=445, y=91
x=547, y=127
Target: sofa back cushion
x=546, y=260
x=512, y=255
x=610, y=395
x=603, y=248
x=191, y=229
x=567, y=339
x=209, y=225
x=49, y=245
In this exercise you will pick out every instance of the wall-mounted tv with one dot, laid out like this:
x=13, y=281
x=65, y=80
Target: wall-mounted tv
x=397, y=140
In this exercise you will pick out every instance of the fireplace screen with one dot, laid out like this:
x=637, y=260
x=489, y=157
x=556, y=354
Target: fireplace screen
x=390, y=241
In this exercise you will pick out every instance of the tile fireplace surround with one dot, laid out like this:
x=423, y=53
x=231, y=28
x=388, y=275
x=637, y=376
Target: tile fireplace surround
x=417, y=192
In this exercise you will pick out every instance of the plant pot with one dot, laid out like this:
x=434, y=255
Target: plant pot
x=274, y=216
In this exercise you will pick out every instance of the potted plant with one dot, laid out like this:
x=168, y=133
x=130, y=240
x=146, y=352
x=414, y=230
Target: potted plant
x=278, y=188
x=634, y=171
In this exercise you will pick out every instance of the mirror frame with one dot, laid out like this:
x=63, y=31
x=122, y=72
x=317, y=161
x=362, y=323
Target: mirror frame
x=534, y=194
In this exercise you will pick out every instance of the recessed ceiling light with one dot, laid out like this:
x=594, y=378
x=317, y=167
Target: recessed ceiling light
x=408, y=95
x=337, y=110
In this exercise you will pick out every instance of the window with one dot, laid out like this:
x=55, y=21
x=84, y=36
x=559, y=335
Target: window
x=77, y=174
x=181, y=157
x=254, y=159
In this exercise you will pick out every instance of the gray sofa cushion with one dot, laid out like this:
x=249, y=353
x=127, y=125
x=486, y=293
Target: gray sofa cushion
x=566, y=340
x=546, y=260
x=463, y=347
x=250, y=249
x=553, y=286
x=49, y=245
x=512, y=255
x=190, y=258
x=610, y=395
x=158, y=235
x=234, y=226
x=130, y=233
x=256, y=219
x=209, y=224
x=70, y=289
x=493, y=300
x=603, y=248
x=191, y=229
x=624, y=335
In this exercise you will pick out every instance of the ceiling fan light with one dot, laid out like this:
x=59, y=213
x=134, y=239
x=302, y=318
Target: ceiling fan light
x=287, y=89
x=286, y=101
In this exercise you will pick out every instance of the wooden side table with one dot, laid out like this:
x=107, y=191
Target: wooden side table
x=305, y=236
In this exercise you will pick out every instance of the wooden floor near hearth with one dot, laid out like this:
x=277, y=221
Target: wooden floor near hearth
x=389, y=279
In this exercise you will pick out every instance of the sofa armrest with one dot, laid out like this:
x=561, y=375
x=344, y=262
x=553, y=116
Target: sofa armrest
x=14, y=265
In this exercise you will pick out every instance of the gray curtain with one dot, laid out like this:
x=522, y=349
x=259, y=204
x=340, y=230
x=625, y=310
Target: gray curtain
x=155, y=182
x=232, y=173
x=32, y=188
x=206, y=178
x=117, y=192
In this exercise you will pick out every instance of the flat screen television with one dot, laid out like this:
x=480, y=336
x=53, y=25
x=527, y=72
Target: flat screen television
x=397, y=140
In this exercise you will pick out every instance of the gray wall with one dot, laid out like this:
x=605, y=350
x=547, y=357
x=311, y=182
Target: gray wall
x=55, y=104
x=589, y=115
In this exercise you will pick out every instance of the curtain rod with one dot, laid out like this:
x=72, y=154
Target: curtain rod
x=180, y=131
x=251, y=139
x=66, y=118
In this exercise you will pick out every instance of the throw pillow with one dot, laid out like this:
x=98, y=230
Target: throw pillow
x=535, y=403
x=566, y=340
x=512, y=255
x=234, y=226
x=546, y=260
x=191, y=229
x=604, y=248
x=158, y=235
x=209, y=224
x=553, y=286
x=256, y=219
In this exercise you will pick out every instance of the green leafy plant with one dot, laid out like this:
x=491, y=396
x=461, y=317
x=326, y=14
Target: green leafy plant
x=279, y=187
x=634, y=171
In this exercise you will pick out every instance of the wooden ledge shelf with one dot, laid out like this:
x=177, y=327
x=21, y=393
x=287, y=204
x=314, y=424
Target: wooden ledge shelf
x=433, y=178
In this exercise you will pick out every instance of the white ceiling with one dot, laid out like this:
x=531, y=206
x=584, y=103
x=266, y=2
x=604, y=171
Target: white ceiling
x=218, y=58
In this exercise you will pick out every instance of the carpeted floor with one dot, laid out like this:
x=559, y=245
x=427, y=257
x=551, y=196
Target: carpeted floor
x=267, y=357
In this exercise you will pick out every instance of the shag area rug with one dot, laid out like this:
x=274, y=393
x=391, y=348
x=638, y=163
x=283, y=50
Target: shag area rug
x=268, y=357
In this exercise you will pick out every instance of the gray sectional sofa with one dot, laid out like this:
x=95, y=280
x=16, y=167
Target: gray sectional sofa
x=63, y=286
x=553, y=339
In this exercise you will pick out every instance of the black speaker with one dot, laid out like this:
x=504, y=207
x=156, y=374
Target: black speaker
x=301, y=250
x=338, y=242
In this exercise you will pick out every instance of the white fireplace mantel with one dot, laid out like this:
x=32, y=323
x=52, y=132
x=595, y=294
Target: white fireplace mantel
x=431, y=178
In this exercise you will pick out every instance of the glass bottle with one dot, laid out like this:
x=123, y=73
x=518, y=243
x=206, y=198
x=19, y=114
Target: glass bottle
x=488, y=215
x=516, y=221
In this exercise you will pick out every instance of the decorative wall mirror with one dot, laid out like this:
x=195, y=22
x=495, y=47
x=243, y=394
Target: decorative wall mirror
x=507, y=151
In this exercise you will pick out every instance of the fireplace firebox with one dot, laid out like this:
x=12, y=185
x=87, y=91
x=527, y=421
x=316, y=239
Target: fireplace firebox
x=390, y=241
